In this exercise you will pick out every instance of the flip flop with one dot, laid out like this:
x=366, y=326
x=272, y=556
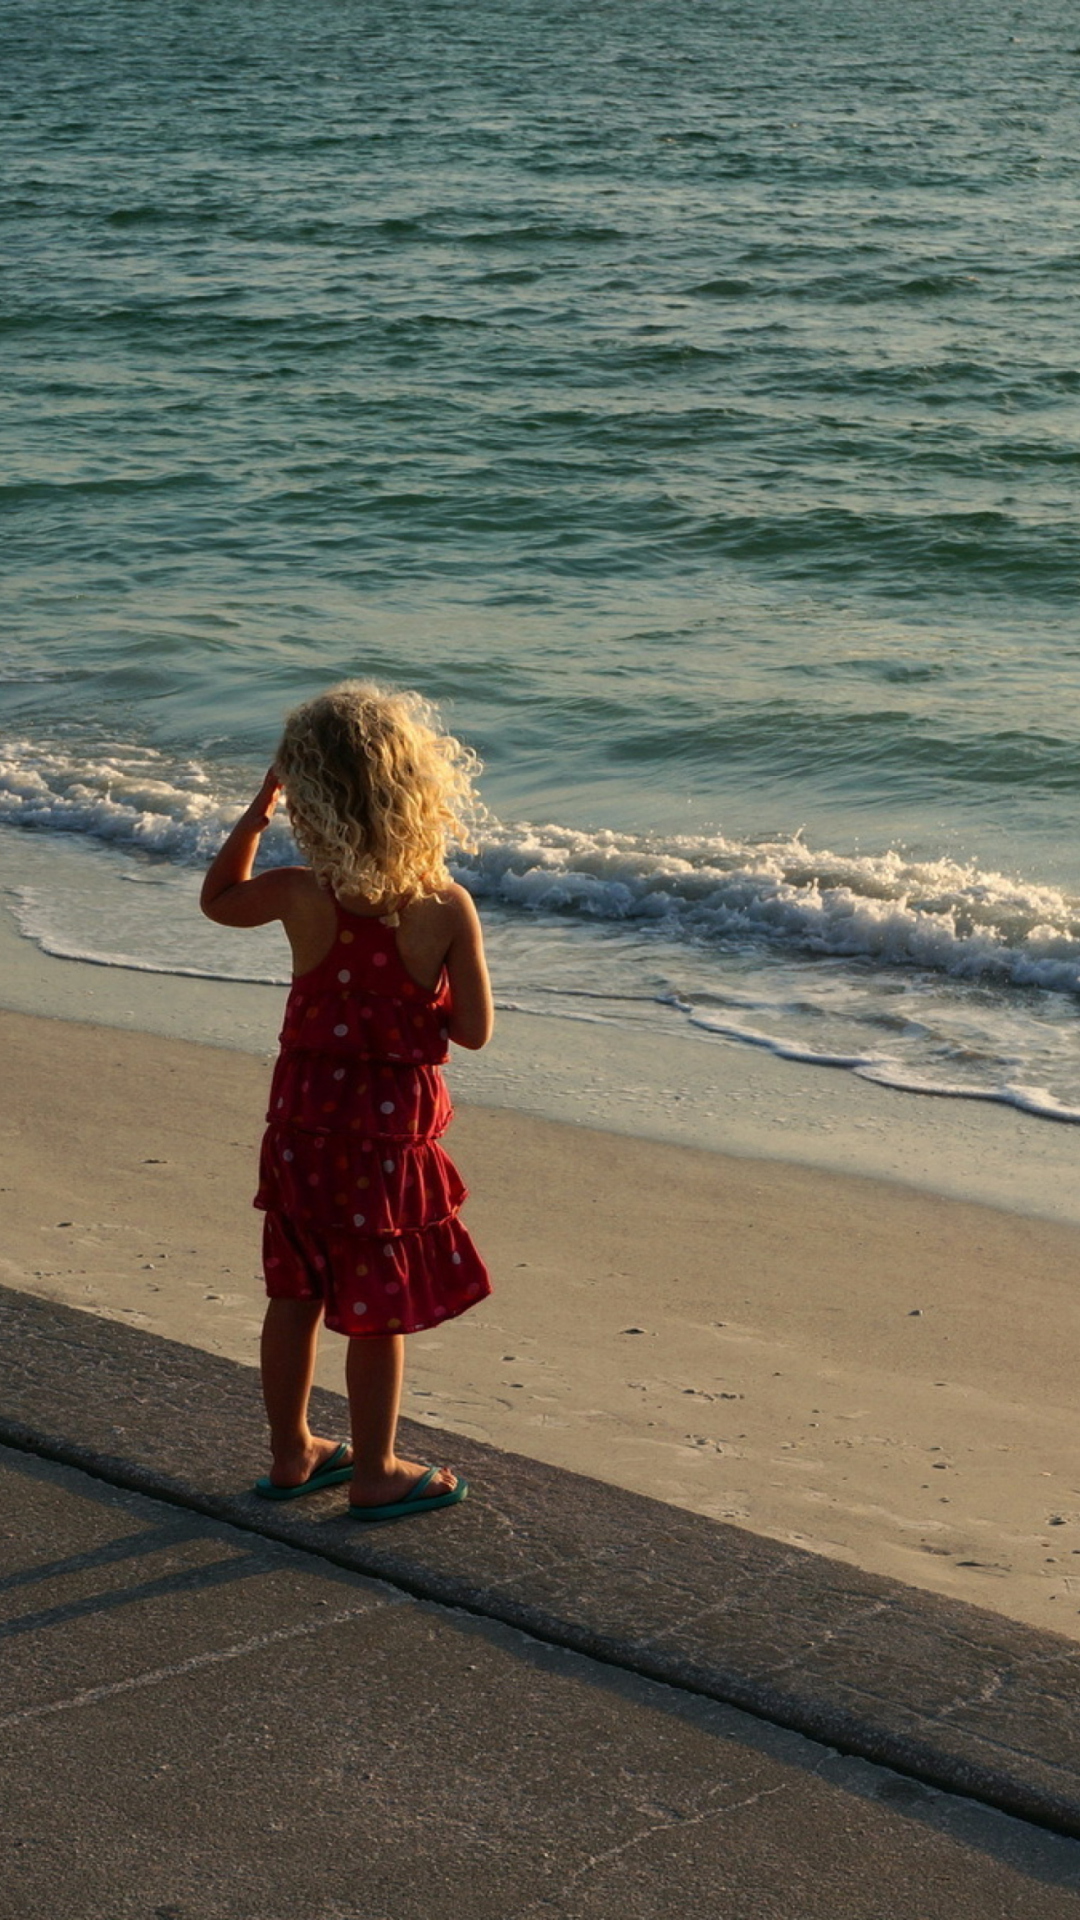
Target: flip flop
x=335, y=1468
x=414, y=1501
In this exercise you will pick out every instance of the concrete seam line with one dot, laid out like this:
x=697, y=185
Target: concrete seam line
x=156, y=1676
x=917, y=1758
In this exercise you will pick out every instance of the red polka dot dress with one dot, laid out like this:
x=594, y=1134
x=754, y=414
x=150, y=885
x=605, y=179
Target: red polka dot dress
x=361, y=1201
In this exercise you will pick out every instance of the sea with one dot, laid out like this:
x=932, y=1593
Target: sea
x=684, y=396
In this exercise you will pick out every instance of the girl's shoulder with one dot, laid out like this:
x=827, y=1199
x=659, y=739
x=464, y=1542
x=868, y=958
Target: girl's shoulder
x=444, y=906
x=428, y=926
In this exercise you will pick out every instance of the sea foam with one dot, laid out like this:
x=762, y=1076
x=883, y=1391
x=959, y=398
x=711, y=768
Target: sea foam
x=936, y=915
x=702, y=891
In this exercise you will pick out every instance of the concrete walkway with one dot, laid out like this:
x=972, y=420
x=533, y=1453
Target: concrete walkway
x=216, y=1710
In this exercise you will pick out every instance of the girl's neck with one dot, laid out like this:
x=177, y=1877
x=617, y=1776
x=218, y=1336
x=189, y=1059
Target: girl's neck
x=366, y=908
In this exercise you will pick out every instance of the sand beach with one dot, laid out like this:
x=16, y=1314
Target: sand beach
x=878, y=1372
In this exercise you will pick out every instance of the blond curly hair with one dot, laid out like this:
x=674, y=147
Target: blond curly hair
x=375, y=790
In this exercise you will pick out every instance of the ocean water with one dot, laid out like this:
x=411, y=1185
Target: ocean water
x=687, y=397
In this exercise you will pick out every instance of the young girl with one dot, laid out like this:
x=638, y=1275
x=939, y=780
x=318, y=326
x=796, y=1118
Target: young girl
x=361, y=1202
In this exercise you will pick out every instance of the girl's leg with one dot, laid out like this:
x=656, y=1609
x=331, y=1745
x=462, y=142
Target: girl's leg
x=374, y=1371
x=290, y=1339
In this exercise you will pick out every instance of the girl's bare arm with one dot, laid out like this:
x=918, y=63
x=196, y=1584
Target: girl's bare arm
x=472, y=1013
x=229, y=894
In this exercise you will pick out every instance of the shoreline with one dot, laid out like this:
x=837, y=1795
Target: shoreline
x=712, y=1094
x=823, y=1358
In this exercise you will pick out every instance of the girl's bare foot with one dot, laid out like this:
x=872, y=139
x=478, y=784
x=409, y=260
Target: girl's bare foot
x=385, y=1488
x=294, y=1465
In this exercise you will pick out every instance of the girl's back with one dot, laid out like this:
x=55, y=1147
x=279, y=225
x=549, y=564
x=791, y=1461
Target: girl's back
x=435, y=932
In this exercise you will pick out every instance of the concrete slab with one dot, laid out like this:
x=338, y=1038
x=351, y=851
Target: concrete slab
x=950, y=1694
x=200, y=1724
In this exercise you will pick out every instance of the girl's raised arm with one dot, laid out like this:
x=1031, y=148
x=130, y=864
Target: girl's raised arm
x=229, y=894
